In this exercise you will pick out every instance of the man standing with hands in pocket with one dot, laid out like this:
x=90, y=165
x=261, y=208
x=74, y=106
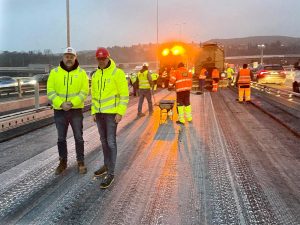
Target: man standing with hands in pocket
x=110, y=97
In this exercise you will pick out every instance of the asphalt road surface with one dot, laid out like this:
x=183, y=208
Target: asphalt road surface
x=232, y=165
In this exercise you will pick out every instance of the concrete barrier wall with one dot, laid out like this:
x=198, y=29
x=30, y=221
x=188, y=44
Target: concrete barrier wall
x=25, y=119
x=21, y=103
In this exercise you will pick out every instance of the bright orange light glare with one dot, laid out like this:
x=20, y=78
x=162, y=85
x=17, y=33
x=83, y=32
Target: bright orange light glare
x=178, y=50
x=165, y=52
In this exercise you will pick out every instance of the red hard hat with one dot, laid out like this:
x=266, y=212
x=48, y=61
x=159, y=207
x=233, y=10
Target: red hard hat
x=102, y=53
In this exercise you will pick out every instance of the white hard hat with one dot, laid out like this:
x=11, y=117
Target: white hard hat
x=145, y=64
x=70, y=50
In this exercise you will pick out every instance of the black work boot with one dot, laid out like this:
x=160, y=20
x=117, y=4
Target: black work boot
x=61, y=167
x=101, y=172
x=81, y=167
x=107, y=181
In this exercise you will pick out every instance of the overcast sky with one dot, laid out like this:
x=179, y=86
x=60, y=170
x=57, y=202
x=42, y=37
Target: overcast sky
x=41, y=24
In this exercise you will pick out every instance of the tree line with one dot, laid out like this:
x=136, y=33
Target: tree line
x=135, y=53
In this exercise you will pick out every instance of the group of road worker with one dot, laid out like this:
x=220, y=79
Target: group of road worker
x=242, y=81
x=68, y=87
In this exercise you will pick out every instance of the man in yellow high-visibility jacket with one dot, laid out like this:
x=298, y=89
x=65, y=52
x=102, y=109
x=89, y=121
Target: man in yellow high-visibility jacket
x=145, y=86
x=230, y=75
x=134, y=83
x=110, y=97
x=154, y=77
x=67, y=88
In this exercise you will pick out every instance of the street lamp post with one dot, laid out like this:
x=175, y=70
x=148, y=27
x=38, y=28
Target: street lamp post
x=261, y=47
x=68, y=24
x=157, y=66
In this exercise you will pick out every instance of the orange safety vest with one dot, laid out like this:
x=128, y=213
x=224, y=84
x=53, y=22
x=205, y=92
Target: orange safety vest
x=202, y=74
x=215, y=73
x=244, y=77
x=182, y=79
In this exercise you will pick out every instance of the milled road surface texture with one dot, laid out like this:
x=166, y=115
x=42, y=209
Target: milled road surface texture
x=232, y=165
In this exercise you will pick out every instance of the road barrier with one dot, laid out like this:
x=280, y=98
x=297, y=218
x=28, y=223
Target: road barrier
x=289, y=95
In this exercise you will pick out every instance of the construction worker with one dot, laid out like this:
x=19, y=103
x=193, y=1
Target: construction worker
x=110, y=98
x=135, y=84
x=244, y=77
x=182, y=79
x=202, y=77
x=164, y=77
x=154, y=77
x=230, y=75
x=67, y=88
x=215, y=75
x=145, y=85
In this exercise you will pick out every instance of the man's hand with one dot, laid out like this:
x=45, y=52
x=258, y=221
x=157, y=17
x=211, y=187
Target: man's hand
x=169, y=88
x=94, y=118
x=118, y=118
x=66, y=106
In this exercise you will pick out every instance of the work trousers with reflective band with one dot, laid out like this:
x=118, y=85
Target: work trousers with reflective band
x=244, y=90
x=215, y=82
x=62, y=120
x=183, y=105
x=107, y=128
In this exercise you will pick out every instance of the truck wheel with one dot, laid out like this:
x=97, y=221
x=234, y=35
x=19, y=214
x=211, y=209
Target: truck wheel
x=296, y=87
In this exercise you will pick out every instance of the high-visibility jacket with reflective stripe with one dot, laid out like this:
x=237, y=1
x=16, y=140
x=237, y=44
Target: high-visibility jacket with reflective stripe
x=154, y=76
x=133, y=78
x=182, y=79
x=203, y=74
x=229, y=72
x=144, y=78
x=109, y=90
x=64, y=86
x=244, y=76
x=215, y=73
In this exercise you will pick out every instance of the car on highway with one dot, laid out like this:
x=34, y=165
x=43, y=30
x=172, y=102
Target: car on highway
x=8, y=84
x=296, y=83
x=41, y=78
x=270, y=74
x=28, y=81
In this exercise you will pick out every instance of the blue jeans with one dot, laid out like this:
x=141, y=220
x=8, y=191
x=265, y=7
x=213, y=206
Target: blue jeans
x=62, y=120
x=145, y=93
x=107, y=128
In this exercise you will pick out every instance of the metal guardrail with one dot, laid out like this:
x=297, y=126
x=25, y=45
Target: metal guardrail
x=23, y=113
x=289, y=95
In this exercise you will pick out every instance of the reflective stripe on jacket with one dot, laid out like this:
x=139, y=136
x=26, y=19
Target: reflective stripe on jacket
x=144, y=78
x=109, y=90
x=182, y=79
x=244, y=76
x=64, y=86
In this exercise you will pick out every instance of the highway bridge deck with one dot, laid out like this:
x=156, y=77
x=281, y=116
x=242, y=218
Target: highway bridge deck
x=232, y=165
